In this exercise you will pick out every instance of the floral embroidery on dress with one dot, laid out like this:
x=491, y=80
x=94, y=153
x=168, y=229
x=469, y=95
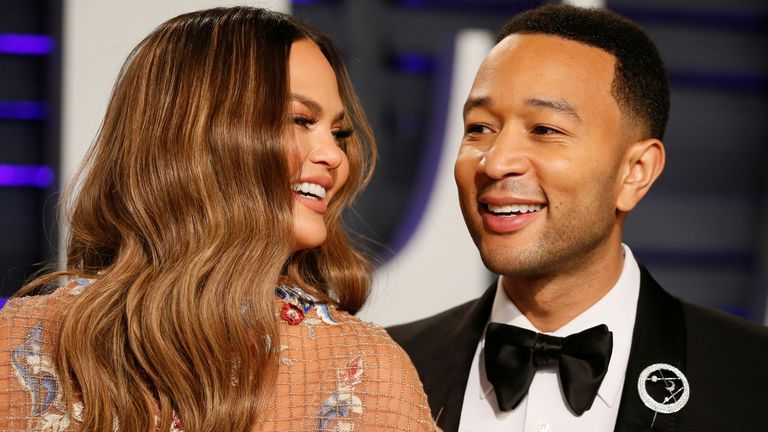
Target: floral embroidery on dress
x=335, y=413
x=81, y=283
x=292, y=314
x=37, y=374
x=284, y=359
x=35, y=371
x=176, y=424
x=298, y=303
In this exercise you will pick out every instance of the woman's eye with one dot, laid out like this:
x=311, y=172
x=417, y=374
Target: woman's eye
x=303, y=121
x=342, y=134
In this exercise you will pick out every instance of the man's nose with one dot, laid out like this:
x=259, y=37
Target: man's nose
x=508, y=156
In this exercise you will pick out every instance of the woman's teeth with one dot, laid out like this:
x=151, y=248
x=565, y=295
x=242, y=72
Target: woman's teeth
x=311, y=190
x=514, y=208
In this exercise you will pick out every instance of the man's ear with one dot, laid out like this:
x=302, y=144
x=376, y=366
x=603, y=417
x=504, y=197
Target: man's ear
x=642, y=165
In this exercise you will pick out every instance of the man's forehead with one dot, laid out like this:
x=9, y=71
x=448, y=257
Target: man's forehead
x=520, y=47
x=542, y=58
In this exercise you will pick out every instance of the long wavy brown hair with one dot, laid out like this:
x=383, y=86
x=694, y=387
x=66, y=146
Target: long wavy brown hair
x=183, y=216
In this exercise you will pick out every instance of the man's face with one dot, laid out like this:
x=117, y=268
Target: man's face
x=538, y=164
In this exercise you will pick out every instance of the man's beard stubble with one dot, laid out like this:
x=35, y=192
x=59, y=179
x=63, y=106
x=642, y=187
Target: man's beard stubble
x=559, y=249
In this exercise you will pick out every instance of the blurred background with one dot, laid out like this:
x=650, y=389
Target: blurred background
x=702, y=230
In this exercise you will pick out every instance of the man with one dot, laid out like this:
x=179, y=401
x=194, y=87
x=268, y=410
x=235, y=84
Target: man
x=563, y=130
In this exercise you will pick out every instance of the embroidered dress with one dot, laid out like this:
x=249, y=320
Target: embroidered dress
x=336, y=373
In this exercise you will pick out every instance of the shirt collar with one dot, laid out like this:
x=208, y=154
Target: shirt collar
x=616, y=309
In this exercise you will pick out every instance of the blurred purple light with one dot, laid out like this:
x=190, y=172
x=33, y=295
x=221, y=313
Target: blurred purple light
x=2, y=302
x=413, y=63
x=23, y=110
x=26, y=175
x=27, y=44
x=505, y=7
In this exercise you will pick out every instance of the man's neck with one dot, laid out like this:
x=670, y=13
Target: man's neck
x=551, y=301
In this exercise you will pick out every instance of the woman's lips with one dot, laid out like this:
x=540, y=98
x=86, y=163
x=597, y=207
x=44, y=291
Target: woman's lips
x=312, y=203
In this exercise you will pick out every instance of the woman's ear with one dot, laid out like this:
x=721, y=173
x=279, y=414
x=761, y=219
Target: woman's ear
x=643, y=163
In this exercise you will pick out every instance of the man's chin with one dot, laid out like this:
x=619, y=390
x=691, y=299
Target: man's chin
x=512, y=261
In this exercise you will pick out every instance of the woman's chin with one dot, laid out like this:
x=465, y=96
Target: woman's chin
x=303, y=241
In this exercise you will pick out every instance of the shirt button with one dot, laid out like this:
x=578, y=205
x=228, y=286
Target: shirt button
x=543, y=427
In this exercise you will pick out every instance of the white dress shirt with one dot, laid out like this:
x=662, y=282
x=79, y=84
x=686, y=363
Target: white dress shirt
x=544, y=408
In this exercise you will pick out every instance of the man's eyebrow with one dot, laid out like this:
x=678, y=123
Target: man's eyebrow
x=475, y=102
x=558, y=105
x=314, y=106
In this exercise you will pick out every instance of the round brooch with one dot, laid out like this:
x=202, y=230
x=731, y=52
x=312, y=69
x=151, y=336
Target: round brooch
x=675, y=393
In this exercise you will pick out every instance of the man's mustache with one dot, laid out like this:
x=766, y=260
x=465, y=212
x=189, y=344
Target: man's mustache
x=513, y=186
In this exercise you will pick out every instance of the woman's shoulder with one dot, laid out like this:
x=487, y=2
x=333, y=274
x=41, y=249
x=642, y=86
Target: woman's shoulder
x=31, y=323
x=358, y=372
x=45, y=307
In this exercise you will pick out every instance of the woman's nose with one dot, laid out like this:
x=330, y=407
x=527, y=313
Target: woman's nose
x=326, y=151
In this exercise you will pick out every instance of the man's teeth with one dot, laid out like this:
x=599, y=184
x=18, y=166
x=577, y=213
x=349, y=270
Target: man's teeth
x=310, y=189
x=514, y=208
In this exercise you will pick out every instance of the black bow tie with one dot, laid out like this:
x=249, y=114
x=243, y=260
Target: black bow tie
x=513, y=354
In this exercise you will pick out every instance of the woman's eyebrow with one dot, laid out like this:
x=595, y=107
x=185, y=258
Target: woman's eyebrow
x=308, y=102
x=314, y=106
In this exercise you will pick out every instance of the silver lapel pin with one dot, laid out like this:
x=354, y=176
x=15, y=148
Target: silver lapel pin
x=675, y=383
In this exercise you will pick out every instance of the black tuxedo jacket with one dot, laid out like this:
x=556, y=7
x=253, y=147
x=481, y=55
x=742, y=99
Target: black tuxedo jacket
x=724, y=358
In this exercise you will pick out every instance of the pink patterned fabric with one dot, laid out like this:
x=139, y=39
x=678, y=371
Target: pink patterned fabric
x=336, y=373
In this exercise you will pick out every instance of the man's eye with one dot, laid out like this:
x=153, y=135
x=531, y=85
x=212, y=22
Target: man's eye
x=544, y=130
x=477, y=129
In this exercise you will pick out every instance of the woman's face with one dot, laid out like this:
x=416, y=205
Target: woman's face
x=317, y=134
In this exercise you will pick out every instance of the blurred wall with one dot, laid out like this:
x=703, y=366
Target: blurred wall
x=437, y=265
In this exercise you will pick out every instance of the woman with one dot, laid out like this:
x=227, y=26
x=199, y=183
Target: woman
x=211, y=286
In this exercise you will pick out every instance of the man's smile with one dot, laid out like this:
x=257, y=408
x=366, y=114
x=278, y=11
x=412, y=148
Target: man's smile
x=512, y=209
x=508, y=218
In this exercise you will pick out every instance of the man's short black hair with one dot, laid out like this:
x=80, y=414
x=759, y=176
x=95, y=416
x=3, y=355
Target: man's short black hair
x=640, y=82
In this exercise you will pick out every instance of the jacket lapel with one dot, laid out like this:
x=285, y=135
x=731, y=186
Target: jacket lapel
x=453, y=359
x=658, y=337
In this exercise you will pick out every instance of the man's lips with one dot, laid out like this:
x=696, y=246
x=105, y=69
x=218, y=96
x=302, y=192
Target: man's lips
x=509, y=217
